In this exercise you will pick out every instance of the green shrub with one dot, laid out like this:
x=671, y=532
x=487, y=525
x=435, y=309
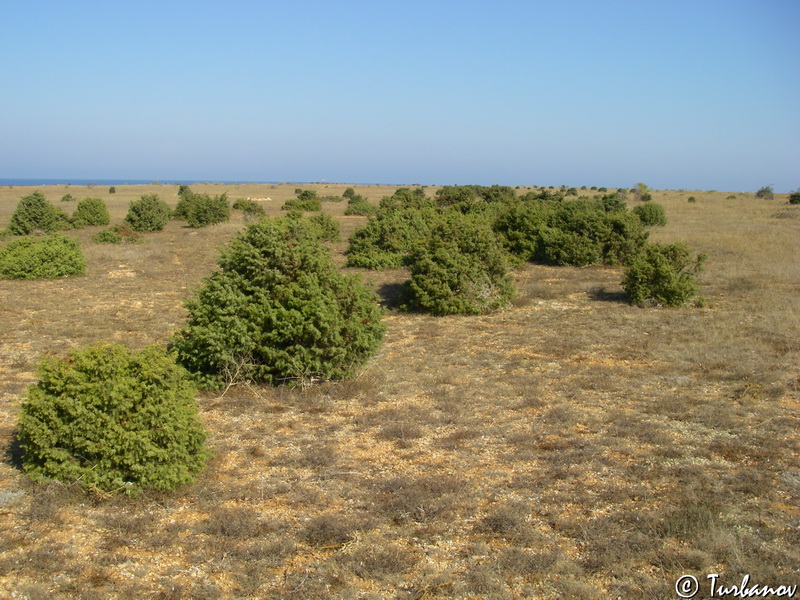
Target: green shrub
x=119, y=234
x=34, y=214
x=765, y=192
x=520, y=226
x=251, y=209
x=67, y=198
x=112, y=190
x=278, y=310
x=692, y=199
x=349, y=193
x=209, y=210
x=148, y=214
x=359, y=206
x=327, y=227
x=662, y=274
x=90, y=211
x=306, y=200
x=461, y=269
x=387, y=240
x=651, y=214
x=42, y=258
x=114, y=420
x=569, y=248
x=794, y=197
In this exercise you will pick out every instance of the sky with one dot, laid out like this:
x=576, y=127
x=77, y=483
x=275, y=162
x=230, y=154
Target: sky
x=695, y=95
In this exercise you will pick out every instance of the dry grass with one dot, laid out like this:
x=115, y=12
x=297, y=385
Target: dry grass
x=569, y=447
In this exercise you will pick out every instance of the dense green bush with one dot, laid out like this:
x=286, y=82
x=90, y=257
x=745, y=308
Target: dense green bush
x=209, y=210
x=114, y=420
x=201, y=210
x=327, y=227
x=67, y=198
x=651, y=214
x=112, y=190
x=571, y=232
x=35, y=214
x=41, y=258
x=148, y=214
x=306, y=200
x=460, y=269
x=662, y=274
x=90, y=211
x=794, y=197
x=119, y=234
x=387, y=240
x=278, y=310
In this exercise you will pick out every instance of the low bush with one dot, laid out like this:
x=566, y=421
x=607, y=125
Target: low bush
x=119, y=234
x=42, y=258
x=794, y=197
x=307, y=200
x=114, y=420
x=148, y=214
x=662, y=275
x=208, y=210
x=460, y=269
x=651, y=214
x=765, y=193
x=35, y=214
x=278, y=310
x=201, y=210
x=360, y=206
x=251, y=209
x=90, y=211
x=67, y=198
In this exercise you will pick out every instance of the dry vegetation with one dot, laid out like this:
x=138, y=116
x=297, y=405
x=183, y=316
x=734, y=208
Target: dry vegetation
x=571, y=446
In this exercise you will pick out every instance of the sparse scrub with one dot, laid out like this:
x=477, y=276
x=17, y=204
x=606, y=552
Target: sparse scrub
x=119, y=234
x=662, y=275
x=90, y=211
x=359, y=206
x=114, y=420
x=278, y=311
x=765, y=193
x=148, y=214
x=251, y=209
x=47, y=257
x=35, y=214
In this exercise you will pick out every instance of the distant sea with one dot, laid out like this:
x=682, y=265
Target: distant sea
x=105, y=182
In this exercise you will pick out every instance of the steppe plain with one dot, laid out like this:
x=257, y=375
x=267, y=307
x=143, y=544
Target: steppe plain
x=570, y=446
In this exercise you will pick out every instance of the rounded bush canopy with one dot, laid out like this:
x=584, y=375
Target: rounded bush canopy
x=113, y=419
x=279, y=311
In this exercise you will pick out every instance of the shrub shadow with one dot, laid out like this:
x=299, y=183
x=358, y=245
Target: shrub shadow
x=13, y=454
x=391, y=295
x=602, y=294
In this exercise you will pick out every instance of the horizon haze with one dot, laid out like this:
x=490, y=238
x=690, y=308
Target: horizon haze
x=678, y=95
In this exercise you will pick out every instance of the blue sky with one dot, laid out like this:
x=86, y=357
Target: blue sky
x=692, y=95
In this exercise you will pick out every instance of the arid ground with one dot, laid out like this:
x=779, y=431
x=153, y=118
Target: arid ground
x=571, y=446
